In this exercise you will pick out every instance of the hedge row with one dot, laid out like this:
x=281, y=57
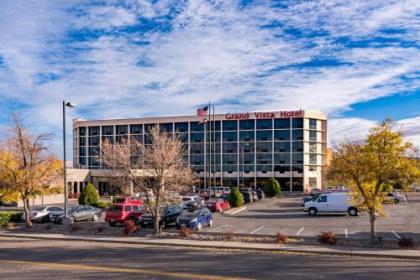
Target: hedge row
x=10, y=217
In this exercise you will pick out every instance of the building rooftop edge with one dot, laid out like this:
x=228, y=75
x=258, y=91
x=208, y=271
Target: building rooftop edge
x=306, y=113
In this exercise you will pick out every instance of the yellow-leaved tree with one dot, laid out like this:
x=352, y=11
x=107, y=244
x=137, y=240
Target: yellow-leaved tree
x=27, y=168
x=372, y=166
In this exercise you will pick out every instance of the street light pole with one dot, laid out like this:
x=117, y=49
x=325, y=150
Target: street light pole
x=71, y=105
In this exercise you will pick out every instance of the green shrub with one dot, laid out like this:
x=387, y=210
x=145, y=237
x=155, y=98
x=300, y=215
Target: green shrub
x=89, y=195
x=9, y=217
x=271, y=187
x=236, y=199
x=102, y=204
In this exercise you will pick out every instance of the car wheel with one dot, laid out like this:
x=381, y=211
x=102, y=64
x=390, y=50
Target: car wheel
x=112, y=224
x=352, y=211
x=396, y=201
x=210, y=222
x=163, y=224
x=95, y=217
x=312, y=211
x=45, y=219
x=199, y=226
x=71, y=220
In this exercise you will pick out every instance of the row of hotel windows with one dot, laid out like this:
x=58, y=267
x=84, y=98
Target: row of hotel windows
x=195, y=126
x=229, y=166
x=247, y=158
x=251, y=168
x=244, y=136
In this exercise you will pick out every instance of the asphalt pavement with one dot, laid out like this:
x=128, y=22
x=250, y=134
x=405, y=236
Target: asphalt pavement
x=286, y=215
x=38, y=259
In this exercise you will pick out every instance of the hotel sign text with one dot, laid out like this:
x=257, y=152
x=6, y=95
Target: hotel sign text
x=264, y=115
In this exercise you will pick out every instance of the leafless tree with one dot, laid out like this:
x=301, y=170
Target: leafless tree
x=155, y=169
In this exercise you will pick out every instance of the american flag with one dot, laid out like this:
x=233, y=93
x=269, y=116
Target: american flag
x=202, y=113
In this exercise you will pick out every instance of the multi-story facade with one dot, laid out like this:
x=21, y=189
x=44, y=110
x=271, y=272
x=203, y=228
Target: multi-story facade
x=238, y=149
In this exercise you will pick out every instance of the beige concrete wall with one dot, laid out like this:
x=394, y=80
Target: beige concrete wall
x=44, y=200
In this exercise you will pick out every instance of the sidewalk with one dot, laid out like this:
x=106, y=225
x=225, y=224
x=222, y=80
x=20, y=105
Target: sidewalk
x=260, y=247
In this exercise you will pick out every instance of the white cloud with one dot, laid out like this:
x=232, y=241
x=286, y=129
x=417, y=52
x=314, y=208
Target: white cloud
x=203, y=50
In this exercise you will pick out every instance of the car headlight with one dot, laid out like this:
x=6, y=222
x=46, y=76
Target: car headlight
x=194, y=220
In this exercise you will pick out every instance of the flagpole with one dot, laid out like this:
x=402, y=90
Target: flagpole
x=209, y=149
x=205, y=157
x=214, y=146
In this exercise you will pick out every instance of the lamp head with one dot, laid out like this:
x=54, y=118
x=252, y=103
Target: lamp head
x=69, y=104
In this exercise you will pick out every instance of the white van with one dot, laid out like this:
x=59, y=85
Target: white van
x=334, y=202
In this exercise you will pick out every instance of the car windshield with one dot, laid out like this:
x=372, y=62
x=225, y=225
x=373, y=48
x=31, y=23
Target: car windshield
x=39, y=209
x=315, y=197
x=115, y=208
x=190, y=213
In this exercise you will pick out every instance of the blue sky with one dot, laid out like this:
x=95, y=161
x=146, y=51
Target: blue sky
x=356, y=60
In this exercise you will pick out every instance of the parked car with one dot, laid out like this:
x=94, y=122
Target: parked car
x=195, y=218
x=255, y=196
x=168, y=216
x=248, y=195
x=335, y=202
x=260, y=193
x=203, y=194
x=128, y=200
x=119, y=213
x=42, y=213
x=7, y=204
x=187, y=199
x=394, y=197
x=79, y=213
x=217, y=205
x=175, y=197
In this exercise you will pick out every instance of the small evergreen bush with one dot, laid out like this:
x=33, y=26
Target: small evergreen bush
x=9, y=217
x=89, y=195
x=272, y=187
x=236, y=199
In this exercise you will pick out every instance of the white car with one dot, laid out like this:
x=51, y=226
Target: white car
x=43, y=213
x=394, y=197
x=191, y=198
x=335, y=202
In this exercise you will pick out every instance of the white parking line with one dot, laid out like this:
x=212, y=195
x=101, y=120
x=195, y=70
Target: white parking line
x=223, y=226
x=237, y=211
x=399, y=237
x=257, y=229
x=300, y=231
x=345, y=233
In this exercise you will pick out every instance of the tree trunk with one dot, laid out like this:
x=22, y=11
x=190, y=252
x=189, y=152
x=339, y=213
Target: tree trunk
x=157, y=214
x=156, y=223
x=28, y=222
x=372, y=219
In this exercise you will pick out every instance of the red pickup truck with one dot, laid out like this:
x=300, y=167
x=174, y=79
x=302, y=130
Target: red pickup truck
x=118, y=213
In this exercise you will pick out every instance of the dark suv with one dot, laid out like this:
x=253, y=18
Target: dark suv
x=168, y=216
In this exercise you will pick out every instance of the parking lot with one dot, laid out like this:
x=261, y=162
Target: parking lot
x=286, y=215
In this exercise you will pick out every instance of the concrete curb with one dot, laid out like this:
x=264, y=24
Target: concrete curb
x=247, y=246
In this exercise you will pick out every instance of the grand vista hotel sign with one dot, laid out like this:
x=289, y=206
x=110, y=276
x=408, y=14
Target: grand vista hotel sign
x=264, y=115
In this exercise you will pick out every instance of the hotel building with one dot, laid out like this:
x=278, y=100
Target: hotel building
x=246, y=148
